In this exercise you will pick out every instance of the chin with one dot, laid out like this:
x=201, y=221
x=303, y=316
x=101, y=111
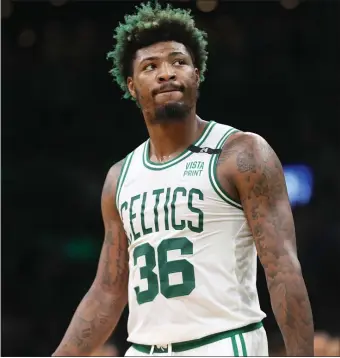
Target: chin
x=172, y=111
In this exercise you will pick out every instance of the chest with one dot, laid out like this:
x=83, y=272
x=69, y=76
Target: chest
x=158, y=201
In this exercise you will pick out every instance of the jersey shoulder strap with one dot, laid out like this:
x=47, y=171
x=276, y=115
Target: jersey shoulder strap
x=125, y=168
x=219, y=137
x=215, y=140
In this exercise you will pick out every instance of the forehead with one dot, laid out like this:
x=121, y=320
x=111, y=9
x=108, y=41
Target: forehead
x=160, y=49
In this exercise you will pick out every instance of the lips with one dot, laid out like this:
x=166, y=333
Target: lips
x=170, y=90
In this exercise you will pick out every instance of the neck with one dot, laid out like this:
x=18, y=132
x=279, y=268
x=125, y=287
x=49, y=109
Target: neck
x=167, y=139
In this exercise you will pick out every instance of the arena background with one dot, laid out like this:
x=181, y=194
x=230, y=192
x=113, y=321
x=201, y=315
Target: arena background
x=273, y=69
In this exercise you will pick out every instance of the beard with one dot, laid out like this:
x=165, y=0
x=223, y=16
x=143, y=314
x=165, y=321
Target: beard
x=171, y=112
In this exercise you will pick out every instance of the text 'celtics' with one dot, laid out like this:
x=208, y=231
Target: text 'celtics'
x=166, y=205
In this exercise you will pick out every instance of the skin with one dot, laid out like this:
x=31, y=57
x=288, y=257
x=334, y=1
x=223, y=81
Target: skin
x=251, y=172
x=102, y=306
x=248, y=169
x=325, y=345
x=163, y=65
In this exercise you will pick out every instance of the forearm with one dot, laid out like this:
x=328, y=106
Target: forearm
x=292, y=310
x=92, y=323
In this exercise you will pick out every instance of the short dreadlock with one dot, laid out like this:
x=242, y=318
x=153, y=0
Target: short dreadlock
x=151, y=24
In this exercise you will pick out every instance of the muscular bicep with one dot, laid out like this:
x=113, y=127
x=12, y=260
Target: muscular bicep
x=112, y=273
x=257, y=174
x=260, y=182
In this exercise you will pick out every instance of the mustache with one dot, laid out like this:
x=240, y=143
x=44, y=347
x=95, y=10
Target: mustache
x=167, y=87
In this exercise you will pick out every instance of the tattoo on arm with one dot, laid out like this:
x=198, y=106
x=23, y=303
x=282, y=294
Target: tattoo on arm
x=109, y=188
x=100, y=309
x=261, y=186
x=114, y=252
x=115, y=260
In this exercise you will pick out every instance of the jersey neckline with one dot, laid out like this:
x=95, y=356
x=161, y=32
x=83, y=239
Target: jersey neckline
x=185, y=154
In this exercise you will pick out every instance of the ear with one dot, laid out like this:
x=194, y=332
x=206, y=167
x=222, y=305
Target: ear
x=197, y=73
x=131, y=87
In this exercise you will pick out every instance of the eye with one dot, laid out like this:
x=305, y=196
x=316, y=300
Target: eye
x=150, y=67
x=179, y=62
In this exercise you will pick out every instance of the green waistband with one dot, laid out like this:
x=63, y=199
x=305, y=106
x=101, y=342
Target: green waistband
x=185, y=346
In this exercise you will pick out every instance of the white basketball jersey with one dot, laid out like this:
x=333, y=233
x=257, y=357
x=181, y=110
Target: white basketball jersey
x=192, y=257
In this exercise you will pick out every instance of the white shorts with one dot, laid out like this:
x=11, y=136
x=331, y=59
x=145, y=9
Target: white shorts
x=252, y=343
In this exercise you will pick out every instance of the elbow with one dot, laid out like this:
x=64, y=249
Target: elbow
x=286, y=286
x=287, y=282
x=116, y=294
x=284, y=271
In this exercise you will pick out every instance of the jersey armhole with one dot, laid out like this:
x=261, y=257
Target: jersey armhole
x=122, y=176
x=213, y=172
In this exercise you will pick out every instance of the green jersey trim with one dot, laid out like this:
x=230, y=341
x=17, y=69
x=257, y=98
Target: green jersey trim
x=196, y=343
x=235, y=348
x=243, y=344
x=213, y=173
x=185, y=154
x=122, y=176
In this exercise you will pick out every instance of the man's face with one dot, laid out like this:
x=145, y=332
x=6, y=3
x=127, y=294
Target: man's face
x=165, y=81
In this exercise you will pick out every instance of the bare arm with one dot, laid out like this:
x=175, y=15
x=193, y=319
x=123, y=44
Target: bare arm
x=256, y=173
x=102, y=306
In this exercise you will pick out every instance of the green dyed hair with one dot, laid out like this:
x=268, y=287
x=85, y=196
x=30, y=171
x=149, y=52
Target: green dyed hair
x=149, y=25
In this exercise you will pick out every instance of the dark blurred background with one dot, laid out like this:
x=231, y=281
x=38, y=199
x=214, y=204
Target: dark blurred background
x=273, y=69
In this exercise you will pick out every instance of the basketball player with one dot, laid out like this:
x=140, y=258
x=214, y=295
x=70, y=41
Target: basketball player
x=186, y=214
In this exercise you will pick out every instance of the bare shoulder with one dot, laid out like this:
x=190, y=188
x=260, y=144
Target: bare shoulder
x=110, y=184
x=248, y=163
x=247, y=152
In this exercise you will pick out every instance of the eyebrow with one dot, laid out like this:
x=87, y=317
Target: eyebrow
x=171, y=54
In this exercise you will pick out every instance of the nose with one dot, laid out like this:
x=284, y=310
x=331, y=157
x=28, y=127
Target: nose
x=166, y=74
